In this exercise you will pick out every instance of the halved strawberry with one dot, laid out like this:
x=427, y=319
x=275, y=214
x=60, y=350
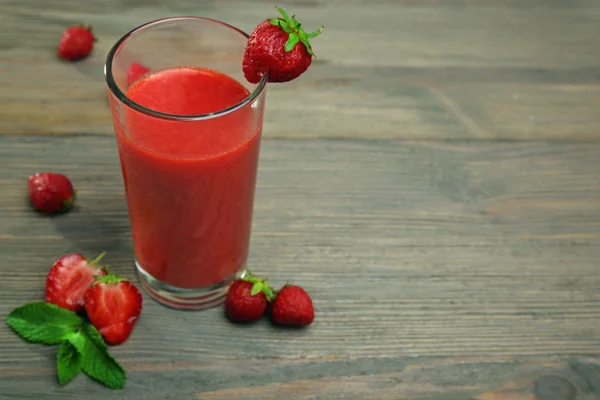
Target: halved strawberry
x=113, y=305
x=69, y=278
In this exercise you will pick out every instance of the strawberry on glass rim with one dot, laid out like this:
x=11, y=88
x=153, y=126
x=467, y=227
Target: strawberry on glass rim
x=279, y=47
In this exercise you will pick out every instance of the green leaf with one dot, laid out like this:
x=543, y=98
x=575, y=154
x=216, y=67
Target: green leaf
x=257, y=288
x=269, y=294
x=315, y=33
x=286, y=27
x=43, y=322
x=96, y=361
x=68, y=363
x=287, y=18
x=304, y=40
x=291, y=42
x=295, y=22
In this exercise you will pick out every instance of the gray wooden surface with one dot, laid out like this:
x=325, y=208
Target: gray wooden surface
x=435, y=184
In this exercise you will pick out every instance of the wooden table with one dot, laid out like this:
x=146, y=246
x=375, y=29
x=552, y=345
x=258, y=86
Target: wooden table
x=434, y=184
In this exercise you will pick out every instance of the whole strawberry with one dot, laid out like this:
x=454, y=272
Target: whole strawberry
x=69, y=278
x=113, y=305
x=292, y=306
x=76, y=42
x=50, y=192
x=247, y=299
x=280, y=47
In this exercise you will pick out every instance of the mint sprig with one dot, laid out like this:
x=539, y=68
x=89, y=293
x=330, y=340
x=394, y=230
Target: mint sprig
x=82, y=347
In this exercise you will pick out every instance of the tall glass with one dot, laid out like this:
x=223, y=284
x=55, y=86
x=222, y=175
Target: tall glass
x=189, y=179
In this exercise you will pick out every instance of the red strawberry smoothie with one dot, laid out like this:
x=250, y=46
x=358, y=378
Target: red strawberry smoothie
x=189, y=185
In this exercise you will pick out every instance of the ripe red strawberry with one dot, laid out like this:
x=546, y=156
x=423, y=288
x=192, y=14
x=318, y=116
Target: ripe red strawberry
x=292, y=306
x=50, y=192
x=247, y=299
x=76, y=42
x=135, y=71
x=69, y=278
x=113, y=305
x=280, y=47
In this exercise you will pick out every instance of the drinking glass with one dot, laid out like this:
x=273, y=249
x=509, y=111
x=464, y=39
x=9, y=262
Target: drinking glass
x=189, y=180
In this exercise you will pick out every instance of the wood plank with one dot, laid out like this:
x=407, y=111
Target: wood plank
x=436, y=268
x=480, y=378
x=460, y=69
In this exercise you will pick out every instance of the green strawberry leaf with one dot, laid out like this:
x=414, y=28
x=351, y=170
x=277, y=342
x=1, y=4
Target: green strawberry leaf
x=43, y=322
x=304, y=40
x=257, y=288
x=295, y=30
x=315, y=33
x=96, y=361
x=68, y=363
x=285, y=16
x=291, y=42
x=269, y=294
x=285, y=27
x=295, y=22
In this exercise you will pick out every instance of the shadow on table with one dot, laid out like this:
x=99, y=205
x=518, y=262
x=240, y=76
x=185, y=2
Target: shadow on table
x=96, y=226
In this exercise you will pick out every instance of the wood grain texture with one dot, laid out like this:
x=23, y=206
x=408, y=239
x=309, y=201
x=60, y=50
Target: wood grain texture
x=430, y=69
x=439, y=270
x=434, y=184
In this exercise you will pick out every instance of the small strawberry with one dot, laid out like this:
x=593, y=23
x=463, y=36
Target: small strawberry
x=113, y=305
x=69, y=278
x=76, y=42
x=280, y=47
x=292, y=306
x=50, y=192
x=135, y=71
x=247, y=298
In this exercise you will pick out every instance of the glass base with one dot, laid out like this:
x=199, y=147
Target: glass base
x=183, y=298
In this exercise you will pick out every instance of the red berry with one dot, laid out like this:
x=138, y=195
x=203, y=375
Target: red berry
x=135, y=72
x=69, y=278
x=76, y=42
x=113, y=305
x=292, y=306
x=50, y=192
x=280, y=47
x=247, y=299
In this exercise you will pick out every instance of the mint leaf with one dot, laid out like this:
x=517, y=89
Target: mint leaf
x=68, y=363
x=96, y=361
x=43, y=322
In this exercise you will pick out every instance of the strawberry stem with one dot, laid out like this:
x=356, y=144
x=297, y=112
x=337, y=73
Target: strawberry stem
x=259, y=285
x=97, y=259
x=109, y=278
x=296, y=33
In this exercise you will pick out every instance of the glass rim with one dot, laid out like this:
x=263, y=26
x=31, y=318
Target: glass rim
x=119, y=94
